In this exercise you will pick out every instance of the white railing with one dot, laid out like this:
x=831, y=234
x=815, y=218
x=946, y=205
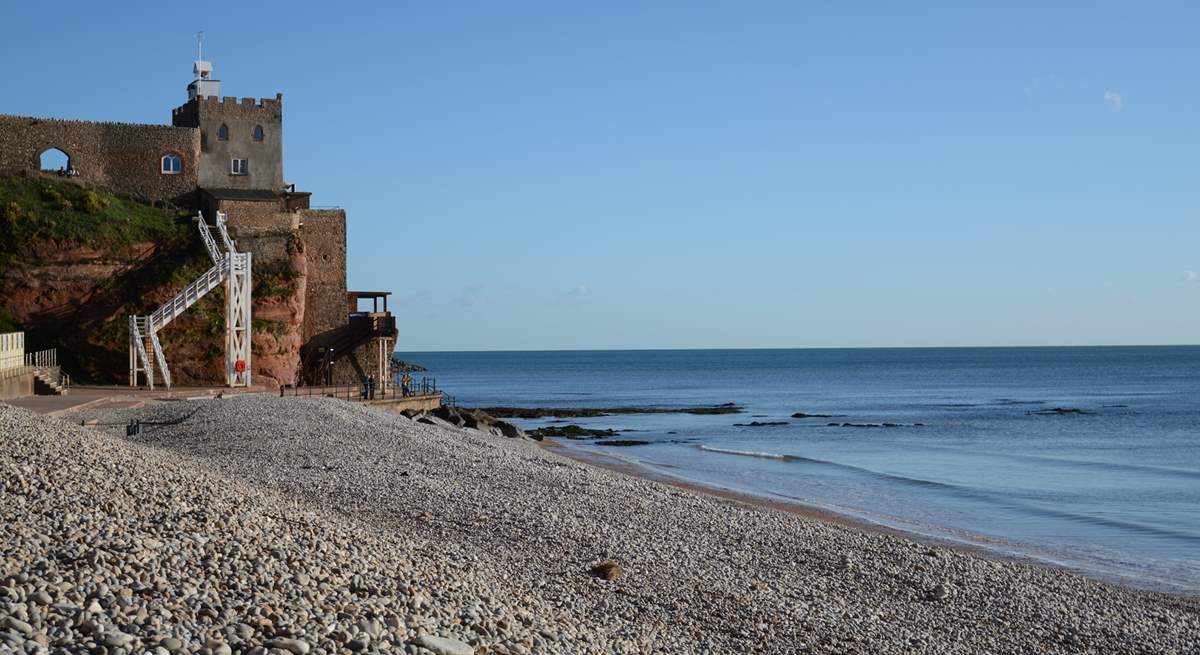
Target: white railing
x=145, y=328
x=230, y=246
x=12, y=350
x=42, y=358
x=210, y=243
x=188, y=296
x=161, y=358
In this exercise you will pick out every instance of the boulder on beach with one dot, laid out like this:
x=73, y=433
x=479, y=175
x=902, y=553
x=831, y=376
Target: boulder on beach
x=609, y=569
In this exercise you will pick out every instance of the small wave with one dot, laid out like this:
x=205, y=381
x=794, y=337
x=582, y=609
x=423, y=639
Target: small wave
x=750, y=453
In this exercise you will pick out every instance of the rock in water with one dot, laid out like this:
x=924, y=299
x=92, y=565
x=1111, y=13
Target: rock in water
x=444, y=646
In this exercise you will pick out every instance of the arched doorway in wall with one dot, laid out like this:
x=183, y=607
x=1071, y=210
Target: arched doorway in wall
x=53, y=160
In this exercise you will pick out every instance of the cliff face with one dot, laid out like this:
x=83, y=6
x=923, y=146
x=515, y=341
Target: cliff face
x=78, y=298
x=76, y=261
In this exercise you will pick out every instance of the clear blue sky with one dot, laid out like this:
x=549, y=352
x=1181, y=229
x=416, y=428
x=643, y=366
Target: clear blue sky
x=702, y=174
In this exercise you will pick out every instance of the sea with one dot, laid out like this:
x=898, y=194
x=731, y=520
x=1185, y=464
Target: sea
x=1081, y=457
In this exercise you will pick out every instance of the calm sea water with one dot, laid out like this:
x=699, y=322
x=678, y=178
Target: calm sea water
x=1114, y=492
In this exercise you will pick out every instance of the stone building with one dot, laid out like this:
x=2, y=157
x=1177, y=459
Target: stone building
x=220, y=154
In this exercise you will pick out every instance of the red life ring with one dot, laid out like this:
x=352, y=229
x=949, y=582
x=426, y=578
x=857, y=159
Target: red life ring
x=240, y=366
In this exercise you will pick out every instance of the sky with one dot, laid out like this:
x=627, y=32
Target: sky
x=571, y=175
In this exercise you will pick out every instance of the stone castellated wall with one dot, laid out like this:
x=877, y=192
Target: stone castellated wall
x=240, y=116
x=324, y=234
x=122, y=157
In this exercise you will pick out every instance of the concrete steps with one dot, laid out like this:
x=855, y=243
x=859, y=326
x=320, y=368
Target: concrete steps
x=47, y=382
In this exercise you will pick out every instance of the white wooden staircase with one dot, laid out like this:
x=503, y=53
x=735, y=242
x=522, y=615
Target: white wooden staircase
x=230, y=267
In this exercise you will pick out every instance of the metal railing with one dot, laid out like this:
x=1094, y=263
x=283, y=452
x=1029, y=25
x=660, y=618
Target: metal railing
x=424, y=388
x=42, y=358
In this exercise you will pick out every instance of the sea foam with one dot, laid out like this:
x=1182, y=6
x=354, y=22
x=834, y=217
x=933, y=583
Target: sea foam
x=749, y=453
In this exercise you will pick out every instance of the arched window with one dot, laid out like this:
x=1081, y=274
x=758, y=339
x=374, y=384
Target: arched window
x=258, y=133
x=172, y=165
x=54, y=160
x=223, y=132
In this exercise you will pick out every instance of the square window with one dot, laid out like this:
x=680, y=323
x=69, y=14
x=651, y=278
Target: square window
x=239, y=167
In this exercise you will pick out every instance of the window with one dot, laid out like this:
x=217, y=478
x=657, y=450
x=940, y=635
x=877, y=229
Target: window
x=258, y=133
x=239, y=167
x=223, y=132
x=172, y=165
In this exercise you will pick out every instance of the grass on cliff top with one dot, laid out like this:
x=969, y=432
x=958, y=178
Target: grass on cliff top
x=39, y=209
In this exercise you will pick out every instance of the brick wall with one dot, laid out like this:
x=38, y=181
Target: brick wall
x=122, y=157
x=324, y=234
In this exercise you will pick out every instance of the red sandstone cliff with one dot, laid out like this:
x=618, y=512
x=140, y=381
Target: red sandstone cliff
x=78, y=299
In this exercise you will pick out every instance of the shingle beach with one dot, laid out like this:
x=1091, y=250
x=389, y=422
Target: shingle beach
x=258, y=524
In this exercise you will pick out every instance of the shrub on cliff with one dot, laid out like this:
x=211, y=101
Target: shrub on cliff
x=94, y=203
x=42, y=209
x=12, y=213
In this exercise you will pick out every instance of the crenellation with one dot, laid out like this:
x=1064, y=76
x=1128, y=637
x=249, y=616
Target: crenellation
x=14, y=119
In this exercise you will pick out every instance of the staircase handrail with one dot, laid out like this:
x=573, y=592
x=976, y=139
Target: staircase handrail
x=230, y=246
x=189, y=295
x=160, y=357
x=140, y=342
x=210, y=244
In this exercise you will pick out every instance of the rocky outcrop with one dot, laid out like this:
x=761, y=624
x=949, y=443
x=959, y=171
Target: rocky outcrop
x=471, y=419
x=585, y=412
x=572, y=431
x=281, y=319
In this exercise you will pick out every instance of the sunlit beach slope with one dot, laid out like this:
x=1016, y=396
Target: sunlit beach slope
x=312, y=525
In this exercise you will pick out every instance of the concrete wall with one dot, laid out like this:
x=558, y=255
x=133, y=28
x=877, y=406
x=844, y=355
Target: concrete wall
x=17, y=387
x=122, y=157
x=240, y=116
x=324, y=234
x=426, y=403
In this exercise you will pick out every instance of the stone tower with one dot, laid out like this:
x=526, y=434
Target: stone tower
x=241, y=141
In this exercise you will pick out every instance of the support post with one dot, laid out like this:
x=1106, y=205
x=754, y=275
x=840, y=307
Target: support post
x=237, y=321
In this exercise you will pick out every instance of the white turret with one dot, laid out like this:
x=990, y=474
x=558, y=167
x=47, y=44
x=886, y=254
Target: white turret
x=203, y=85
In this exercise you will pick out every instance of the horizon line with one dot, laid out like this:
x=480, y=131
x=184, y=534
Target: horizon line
x=714, y=348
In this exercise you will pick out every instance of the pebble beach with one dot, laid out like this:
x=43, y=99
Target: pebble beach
x=257, y=524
